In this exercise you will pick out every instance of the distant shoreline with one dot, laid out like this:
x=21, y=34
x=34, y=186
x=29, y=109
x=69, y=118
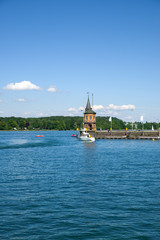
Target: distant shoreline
x=60, y=123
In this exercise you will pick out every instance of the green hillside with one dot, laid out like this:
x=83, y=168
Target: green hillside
x=67, y=123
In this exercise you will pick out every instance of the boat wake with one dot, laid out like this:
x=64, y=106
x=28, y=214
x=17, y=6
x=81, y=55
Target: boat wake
x=29, y=144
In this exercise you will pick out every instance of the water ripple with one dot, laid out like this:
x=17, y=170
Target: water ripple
x=61, y=188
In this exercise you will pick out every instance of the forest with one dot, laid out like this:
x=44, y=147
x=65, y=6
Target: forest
x=69, y=123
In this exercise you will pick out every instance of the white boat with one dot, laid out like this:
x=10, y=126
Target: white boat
x=84, y=136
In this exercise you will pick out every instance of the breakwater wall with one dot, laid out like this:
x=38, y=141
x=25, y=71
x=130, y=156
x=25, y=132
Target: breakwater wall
x=123, y=134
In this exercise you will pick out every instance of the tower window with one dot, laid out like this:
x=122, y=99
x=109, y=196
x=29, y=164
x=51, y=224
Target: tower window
x=90, y=118
x=86, y=118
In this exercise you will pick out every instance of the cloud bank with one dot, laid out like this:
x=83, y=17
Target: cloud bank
x=72, y=109
x=24, y=85
x=121, y=107
x=114, y=107
x=97, y=107
x=101, y=110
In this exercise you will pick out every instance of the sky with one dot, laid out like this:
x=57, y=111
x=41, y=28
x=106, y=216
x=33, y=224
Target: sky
x=54, y=53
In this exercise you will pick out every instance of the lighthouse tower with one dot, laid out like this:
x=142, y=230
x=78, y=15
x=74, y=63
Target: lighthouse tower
x=89, y=117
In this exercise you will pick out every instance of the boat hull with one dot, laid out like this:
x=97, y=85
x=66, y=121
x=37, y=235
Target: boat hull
x=88, y=139
x=85, y=136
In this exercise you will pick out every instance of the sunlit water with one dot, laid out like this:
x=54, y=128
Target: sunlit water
x=57, y=187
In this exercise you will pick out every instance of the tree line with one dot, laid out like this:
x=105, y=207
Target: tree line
x=69, y=123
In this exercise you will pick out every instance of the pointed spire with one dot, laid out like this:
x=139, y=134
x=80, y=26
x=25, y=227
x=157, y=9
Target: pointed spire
x=88, y=106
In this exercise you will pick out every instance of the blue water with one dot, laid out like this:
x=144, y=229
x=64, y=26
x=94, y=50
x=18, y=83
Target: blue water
x=57, y=187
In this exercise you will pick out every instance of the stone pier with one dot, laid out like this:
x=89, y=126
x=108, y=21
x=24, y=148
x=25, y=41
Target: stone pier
x=123, y=134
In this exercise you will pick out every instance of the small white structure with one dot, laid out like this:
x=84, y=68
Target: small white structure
x=85, y=136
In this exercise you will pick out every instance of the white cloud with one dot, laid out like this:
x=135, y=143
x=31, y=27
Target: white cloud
x=1, y=112
x=113, y=107
x=52, y=89
x=1, y=101
x=72, y=109
x=24, y=85
x=103, y=111
x=121, y=107
x=75, y=110
x=81, y=109
x=21, y=100
x=98, y=107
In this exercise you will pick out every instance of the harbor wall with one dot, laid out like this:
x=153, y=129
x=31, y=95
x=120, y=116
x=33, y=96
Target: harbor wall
x=123, y=134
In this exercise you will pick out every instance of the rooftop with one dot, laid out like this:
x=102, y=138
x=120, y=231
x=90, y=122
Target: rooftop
x=88, y=109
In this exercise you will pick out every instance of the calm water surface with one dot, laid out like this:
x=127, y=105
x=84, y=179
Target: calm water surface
x=57, y=187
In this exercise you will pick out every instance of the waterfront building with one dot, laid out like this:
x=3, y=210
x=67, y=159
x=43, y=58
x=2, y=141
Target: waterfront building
x=89, y=117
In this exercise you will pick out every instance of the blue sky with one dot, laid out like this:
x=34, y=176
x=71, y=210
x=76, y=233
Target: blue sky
x=53, y=52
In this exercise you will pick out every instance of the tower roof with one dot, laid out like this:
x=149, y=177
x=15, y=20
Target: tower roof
x=88, y=108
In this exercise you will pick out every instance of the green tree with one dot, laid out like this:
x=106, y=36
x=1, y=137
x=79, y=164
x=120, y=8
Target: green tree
x=22, y=124
x=3, y=125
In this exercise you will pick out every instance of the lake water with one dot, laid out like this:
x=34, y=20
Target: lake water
x=57, y=187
